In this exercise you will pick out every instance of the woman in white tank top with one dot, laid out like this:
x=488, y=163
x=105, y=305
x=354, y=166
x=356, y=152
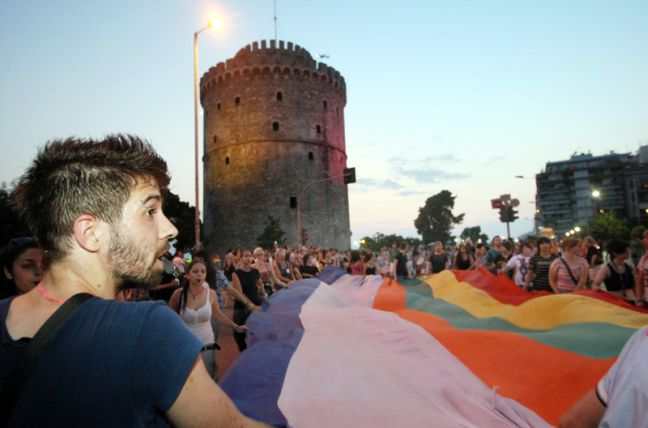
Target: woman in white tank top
x=197, y=304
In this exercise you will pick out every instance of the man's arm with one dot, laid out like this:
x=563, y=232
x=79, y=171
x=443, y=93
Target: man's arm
x=601, y=276
x=527, y=279
x=201, y=403
x=587, y=412
x=584, y=276
x=553, y=276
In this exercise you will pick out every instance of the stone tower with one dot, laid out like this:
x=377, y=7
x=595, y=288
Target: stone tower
x=274, y=125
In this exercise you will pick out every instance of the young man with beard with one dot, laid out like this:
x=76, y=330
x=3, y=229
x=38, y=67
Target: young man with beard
x=96, y=207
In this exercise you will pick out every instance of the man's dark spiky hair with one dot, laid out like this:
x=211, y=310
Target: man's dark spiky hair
x=73, y=177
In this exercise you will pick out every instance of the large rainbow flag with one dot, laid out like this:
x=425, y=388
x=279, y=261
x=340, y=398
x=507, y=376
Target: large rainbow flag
x=460, y=348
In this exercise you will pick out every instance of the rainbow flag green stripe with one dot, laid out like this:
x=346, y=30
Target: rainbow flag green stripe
x=533, y=314
x=596, y=339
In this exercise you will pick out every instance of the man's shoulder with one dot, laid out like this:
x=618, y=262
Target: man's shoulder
x=114, y=313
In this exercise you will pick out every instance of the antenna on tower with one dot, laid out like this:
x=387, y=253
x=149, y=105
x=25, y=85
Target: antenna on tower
x=275, y=19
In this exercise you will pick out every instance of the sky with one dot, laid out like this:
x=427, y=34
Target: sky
x=456, y=95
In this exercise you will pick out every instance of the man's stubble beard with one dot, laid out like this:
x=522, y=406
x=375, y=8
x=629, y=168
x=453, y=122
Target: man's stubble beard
x=131, y=267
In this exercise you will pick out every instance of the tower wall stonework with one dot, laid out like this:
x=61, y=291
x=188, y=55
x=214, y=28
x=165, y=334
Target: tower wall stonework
x=273, y=124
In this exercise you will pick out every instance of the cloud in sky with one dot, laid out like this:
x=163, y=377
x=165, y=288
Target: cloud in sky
x=412, y=193
x=381, y=184
x=444, y=157
x=420, y=171
x=493, y=159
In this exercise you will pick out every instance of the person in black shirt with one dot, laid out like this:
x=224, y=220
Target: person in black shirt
x=400, y=263
x=464, y=260
x=229, y=266
x=592, y=253
x=248, y=281
x=309, y=269
x=538, y=273
x=617, y=275
x=438, y=259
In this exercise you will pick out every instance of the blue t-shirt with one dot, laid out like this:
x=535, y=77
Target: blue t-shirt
x=116, y=364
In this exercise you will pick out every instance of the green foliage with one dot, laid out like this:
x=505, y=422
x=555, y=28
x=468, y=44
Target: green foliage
x=607, y=226
x=380, y=240
x=10, y=224
x=435, y=219
x=271, y=233
x=182, y=215
x=637, y=232
x=474, y=234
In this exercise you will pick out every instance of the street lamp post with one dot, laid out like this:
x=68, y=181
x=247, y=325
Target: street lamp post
x=596, y=196
x=196, y=89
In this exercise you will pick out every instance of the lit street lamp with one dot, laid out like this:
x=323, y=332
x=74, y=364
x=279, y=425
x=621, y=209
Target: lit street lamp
x=197, y=210
x=596, y=195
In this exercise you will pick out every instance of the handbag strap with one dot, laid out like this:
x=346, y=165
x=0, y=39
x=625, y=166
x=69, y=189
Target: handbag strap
x=569, y=271
x=32, y=353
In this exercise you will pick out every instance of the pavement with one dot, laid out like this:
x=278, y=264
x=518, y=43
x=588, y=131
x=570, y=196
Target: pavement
x=229, y=351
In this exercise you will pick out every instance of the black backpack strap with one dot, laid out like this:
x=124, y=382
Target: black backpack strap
x=32, y=353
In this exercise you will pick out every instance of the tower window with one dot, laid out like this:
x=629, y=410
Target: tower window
x=275, y=126
x=215, y=139
x=310, y=156
x=325, y=104
x=237, y=101
x=337, y=111
x=218, y=106
x=318, y=129
x=227, y=160
x=279, y=96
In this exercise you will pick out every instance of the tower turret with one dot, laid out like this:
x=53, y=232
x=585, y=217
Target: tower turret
x=274, y=124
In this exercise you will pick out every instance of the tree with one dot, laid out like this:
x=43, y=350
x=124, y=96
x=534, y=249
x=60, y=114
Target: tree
x=435, y=219
x=10, y=224
x=271, y=234
x=182, y=215
x=380, y=240
x=607, y=226
x=474, y=234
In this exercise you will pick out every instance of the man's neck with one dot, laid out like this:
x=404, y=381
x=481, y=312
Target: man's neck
x=66, y=278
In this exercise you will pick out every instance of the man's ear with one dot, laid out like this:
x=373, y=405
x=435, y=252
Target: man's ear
x=7, y=274
x=87, y=233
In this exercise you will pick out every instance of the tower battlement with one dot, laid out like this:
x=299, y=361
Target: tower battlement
x=271, y=58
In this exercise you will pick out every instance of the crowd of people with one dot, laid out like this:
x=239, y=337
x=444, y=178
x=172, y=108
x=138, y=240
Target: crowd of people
x=250, y=276
x=535, y=264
